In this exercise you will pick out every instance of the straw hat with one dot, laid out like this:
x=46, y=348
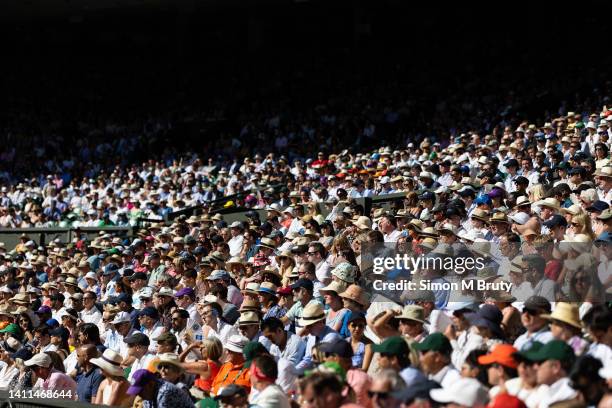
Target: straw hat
x=549, y=202
x=285, y=254
x=249, y=317
x=415, y=224
x=363, y=223
x=267, y=287
x=334, y=286
x=236, y=343
x=566, y=313
x=499, y=217
x=110, y=361
x=480, y=214
x=428, y=232
x=429, y=243
x=267, y=243
x=251, y=288
x=249, y=304
x=21, y=298
x=235, y=260
x=573, y=209
x=312, y=313
x=522, y=201
x=357, y=294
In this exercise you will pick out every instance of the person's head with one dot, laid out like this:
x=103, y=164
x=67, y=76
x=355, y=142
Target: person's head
x=302, y=291
x=320, y=390
x=411, y=321
x=356, y=324
x=232, y=396
x=553, y=361
x=340, y=352
x=234, y=348
x=533, y=267
x=316, y=252
x=211, y=349
x=248, y=324
x=169, y=367
x=274, y=330
x=434, y=353
x=179, y=319
x=531, y=315
x=585, y=379
x=184, y=297
x=263, y=371
x=383, y=385
x=210, y=313
x=166, y=343
x=137, y=344
x=145, y=384
x=394, y=353
x=86, y=353
x=148, y=317
x=41, y=364
x=42, y=335
x=598, y=321
x=500, y=363
x=471, y=368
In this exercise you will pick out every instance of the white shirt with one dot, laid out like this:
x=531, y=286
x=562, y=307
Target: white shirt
x=235, y=245
x=271, y=397
x=322, y=271
x=543, y=336
x=546, y=395
x=393, y=236
x=6, y=375
x=446, y=376
x=153, y=333
x=92, y=315
x=139, y=363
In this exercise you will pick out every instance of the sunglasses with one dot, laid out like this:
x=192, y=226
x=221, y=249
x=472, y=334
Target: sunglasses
x=380, y=395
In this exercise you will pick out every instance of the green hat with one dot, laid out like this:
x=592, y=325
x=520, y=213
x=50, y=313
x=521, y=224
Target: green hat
x=251, y=350
x=166, y=337
x=11, y=328
x=395, y=346
x=553, y=350
x=434, y=342
x=328, y=367
x=532, y=347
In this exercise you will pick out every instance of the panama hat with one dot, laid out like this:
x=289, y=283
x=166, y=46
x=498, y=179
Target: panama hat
x=267, y=243
x=334, y=286
x=312, y=313
x=566, y=313
x=499, y=217
x=549, y=202
x=412, y=312
x=167, y=358
x=363, y=223
x=480, y=214
x=110, y=362
x=251, y=288
x=236, y=343
x=267, y=287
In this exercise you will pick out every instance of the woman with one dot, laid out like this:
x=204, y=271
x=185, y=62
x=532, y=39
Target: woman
x=581, y=224
x=249, y=244
x=472, y=369
x=327, y=234
x=113, y=389
x=268, y=299
x=565, y=325
x=601, y=155
x=355, y=300
x=335, y=310
x=286, y=264
x=585, y=286
x=59, y=338
x=9, y=372
x=170, y=369
x=359, y=342
x=207, y=368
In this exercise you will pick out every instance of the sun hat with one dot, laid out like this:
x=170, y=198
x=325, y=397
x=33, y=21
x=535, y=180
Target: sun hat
x=267, y=287
x=566, y=313
x=312, y=313
x=21, y=298
x=548, y=202
x=248, y=318
x=236, y=343
x=356, y=294
x=39, y=360
x=363, y=223
x=345, y=272
x=464, y=391
x=334, y=286
x=167, y=358
x=250, y=304
x=412, y=312
x=251, y=288
x=500, y=354
x=110, y=362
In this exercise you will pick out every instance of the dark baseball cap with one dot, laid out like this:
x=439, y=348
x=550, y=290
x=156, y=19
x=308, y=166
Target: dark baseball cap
x=124, y=297
x=303, y=283
x=538, y=303
x=138, y=275
x=434, y=342
x=341, y=348
x=395, y=346
x=230, y=391
x=149, y=311
x=166, y=337
x=137, y=338
x=598, y=206
x=556, y=221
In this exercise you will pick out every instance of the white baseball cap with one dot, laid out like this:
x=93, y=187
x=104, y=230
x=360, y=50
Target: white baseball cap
x=40, y=360
x=465, y=391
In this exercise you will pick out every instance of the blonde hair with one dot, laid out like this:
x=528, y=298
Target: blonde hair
x=586, y=227
x=214, y=348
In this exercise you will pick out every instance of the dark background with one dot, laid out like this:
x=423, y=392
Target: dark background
x=221, y=64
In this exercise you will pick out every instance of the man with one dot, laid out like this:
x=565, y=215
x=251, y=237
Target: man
x=121, y=328
x=158, y=270
x=536, y=325
x=53, y=380
x=185, y=299
x=158, y=393
x=124, y=301
x=435, y=358
x=138, y=283
x=553, y=362
x=302, y=294
x=388, y=226
x=89, y=376
x=57, y=305
x=315, y=330
x=394, y=354
x=285, y=344
x=138, y=353
x=213, y=325
x=501, y=366
x=317, y=255
x=341, y=353
x=263, y=373
x=235, y=243
x=556, y=225
x=151, y=325
x=233, y=371
x=232, y=396
x=184, y=333
x=411, y=323
x=90, y=313
x=533, y=269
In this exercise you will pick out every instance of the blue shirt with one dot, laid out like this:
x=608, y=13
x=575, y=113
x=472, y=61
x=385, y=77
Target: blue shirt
x=88, y=384
x=327, y=335
x=169, y=396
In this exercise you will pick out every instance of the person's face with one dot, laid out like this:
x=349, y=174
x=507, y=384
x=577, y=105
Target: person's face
x=249, y=330
x=82, y=357
x=298, y=294
x=357, y=328
x=123, y=328
x=547, y=371
x=207, y=314
x=178, y=322
x=24, y=322
x=43, y=339
x=531, y=319
x=499, y=228
x=428, y=360
x=410, y=328
x=183, y=301
x=275, y=336
x=527, y=373
x=379, y=393
x=467, y=371
x=582, y=282
x=495, y=374
x=146, y=321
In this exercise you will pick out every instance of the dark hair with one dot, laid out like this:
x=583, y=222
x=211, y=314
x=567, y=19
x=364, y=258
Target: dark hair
x=472, y=361
x=376, y=236
x=317, y=246
x=91, y=331
x=584, y=374
x=43, y=330
x=310, y=267
x=321, y=382
x=535, y=261
x=190, y=273
x=598, y=318
x=219, y=291
x=272, y=323
x=182, y=313
x=267, y=365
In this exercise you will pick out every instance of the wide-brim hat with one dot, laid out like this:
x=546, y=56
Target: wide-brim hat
x=251, y=287
x=480, y=214
x=566, y=313
x=334, y=286
x=312, y=313
x=267, y=287
x=549, y=202
x=236, y=343
x=167, y=358
x=363, y=223
x=357, y=294
x=267, y=243
x=110, y=361
x=413, y=312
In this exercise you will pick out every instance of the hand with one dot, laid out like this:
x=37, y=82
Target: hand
x=450, y=332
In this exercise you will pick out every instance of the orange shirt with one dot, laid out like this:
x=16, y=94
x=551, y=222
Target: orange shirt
x=231, y=374
x=206, y=384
